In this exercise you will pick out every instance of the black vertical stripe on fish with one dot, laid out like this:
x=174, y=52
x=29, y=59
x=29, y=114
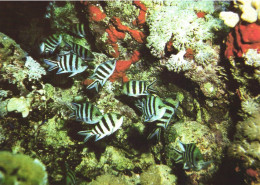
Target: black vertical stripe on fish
x=192, y=158
x=80, y=51
x=134, y=87
x=91, y=108
x=141, y=87
x=109, y=66
x=105, y=123
x=128, y=84
x=112, y=120
x=100, y=128
x=103, y=69
x=99, y=75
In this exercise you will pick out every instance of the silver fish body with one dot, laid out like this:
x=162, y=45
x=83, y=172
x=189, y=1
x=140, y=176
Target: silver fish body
x=87, y=112
x=50, y=44
x=191, y=157
x=82, y=52
x=102, y=73
x=109, y=123
x=137, y=88
x=152, y=108
x=69, y=63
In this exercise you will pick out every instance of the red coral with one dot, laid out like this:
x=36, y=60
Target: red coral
x=122, y=66
x=201, y=14
x=87, y=82
x=142, y=14
x=113, y=36
x=189, y=54
x=135, y=34
x=95, y=14
x=252, y=173
x=242, y=38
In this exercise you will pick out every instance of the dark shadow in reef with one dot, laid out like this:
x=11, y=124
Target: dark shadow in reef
x=130, y=102
x=15, y=17
x=226, y=174
x=58, y=80
x=232, y=85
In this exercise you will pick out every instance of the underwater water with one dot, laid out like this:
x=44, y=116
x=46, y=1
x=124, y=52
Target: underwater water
x=130, y=92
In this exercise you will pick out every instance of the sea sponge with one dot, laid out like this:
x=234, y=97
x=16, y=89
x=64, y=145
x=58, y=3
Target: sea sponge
x=230, y=18
x=21, y=169
x=21, y=105
x=249, y=10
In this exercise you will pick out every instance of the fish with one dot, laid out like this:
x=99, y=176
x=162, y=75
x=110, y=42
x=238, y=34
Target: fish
x=82, y=52
x=191, y=157
x=50, y=44
x=152, y=108
x=108, y=124
x=138, y=88
x=79, y=29
x=69, y=63
x=87, y=112
x=170, y=108
x=102, y=73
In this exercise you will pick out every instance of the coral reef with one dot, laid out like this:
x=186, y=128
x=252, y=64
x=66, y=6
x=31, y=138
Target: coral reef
x=21, y=169
x=178, y=45
x=246, y=145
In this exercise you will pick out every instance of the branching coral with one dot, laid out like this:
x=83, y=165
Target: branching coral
x=177, y=62
x=166, y=23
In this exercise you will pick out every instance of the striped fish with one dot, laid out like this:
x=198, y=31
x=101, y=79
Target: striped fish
x=102, y=73
x=107, y=125
x=79, y=29
x=87, y=112
x=170, y=108
x=152, y=108
x=50, y=44
x=79, y=50
x=67, y=64
x=190, y=156
x=137, y=88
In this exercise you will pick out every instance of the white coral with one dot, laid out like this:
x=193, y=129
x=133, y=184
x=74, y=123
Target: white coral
x=180, y=22
x=35, y=71
x=177, y=62
x=252, y=58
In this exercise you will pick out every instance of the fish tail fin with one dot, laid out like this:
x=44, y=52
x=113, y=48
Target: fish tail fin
x=156, y=132
x=87, y=133
x=179, y=158
x=93, y=84
x=53, y=65
x=150, y=88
